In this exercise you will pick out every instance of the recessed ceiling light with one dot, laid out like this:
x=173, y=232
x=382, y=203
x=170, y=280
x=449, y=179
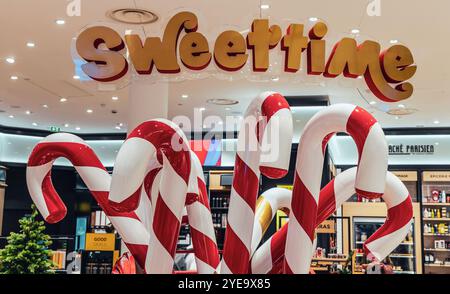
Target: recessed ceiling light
x=265, y=6
x=394, y=41
x=115, y=98
x=313, y=19
x=436, y=122
x=360, y=77
x=11, y=116
x=31, y=45
x=10, y=60
x=14, y=78
x=118, y=128
x=89, y=111
x=66, y=125
x=60, y=21
x=77, y=128
x=397, y=117
x=120, y=124
x=372, y=102
x=184, y=96
x=76, y=77
x=355, y=31
x=45, y=106
x=28, y=112
x=275, y=79
x=34, y=124
x=63, y=100
x=401, y=106
x=202, y=109
x=204, y=126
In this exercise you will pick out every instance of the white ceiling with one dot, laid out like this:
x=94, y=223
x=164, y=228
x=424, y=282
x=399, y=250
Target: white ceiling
x=45, y=72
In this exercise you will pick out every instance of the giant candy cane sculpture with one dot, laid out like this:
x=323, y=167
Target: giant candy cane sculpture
x=370, y=177
x=378, y=246
x=198, y=212
x=273, y=109
x=130, y=225
x=164, y=140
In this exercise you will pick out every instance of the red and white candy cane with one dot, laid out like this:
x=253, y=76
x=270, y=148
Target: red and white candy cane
x=267, y=118
x=267, y=259
x=200, y=221
x=39, y=182
x=369, y=183
x=165, y=141
x=198, y=215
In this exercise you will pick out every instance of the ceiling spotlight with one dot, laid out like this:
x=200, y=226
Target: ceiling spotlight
x=45, y=106
x=60, y=21
x=436, y=122
x=228, y=108
x=401, y=106
x=14, y=78
x=120, y=124
x=372, y=102
x=28, y=112
x=220, y=122
x=77, y=128
x=76, y=77
x=184, y=96
x=34, y=124
x=118, y=128
x=11, y=116
x=355, y=31
x=394, y=41
x=115, y=98
x=265, y=6
x=313, y=19
x=202, y=109
x=66, y=125
x=397, y=117
x=10, y=60
x=89, y=111
x=275, y=79
x=31, y=45
x=63, y=100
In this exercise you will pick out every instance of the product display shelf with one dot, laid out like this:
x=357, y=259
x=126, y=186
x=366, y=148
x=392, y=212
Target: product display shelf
x=219, y=188
x=436, y=221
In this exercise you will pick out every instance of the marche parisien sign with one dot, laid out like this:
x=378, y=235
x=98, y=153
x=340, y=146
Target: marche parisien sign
x=385, y=72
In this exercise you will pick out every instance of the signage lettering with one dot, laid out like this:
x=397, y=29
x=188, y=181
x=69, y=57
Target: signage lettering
x=385, y=72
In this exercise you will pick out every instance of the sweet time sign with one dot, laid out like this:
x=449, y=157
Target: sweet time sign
x=386, y=72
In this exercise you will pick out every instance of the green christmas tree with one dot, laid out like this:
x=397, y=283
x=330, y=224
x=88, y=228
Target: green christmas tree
x=27, y=251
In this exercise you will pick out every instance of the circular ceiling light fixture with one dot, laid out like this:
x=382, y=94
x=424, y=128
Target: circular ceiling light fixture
x=402, y=111
x=134, y=16
x=222, y=101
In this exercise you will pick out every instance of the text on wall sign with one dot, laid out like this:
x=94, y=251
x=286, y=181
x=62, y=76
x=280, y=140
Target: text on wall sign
x=385, y=72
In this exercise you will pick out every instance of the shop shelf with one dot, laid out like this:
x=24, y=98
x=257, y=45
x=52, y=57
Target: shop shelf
x=436, y=235
x=442, y=219
x=436, y=250
x=437, y=265
x=435, y=204
x=401, y=256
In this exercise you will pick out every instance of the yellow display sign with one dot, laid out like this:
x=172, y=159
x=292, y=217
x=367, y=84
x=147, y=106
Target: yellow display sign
x=436, y=176
x=385, y=72
x=100, y=242
x=326, y=227
x=406, y=176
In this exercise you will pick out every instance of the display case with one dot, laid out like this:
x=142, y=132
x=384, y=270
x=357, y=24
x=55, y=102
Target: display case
x=436, y=221
x=402, y=259
x=365, y=219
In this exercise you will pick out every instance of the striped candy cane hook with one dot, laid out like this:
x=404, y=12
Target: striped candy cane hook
x=96, y=178
x=250, y=163
x=268, y=258
x=370, y=178
x=200, y=221
x=164, y=140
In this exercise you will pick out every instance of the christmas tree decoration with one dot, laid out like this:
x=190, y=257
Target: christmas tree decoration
x=27, y=252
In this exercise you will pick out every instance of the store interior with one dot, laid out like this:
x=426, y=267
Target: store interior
x=44, y=91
